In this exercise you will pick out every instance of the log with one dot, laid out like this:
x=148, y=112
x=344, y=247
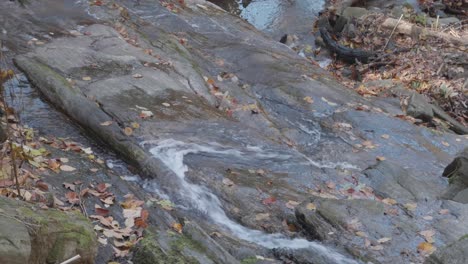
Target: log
x=344, y=53
x=413, y=30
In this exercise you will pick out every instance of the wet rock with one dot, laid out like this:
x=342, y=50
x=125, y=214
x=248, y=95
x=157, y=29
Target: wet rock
x=354, y=12
x=442, y=22
x=391, y=180
x=325, y=219
x=457, y=172
x=148, y=251
x=455, y=253
x=419, y=108
x=33, y=235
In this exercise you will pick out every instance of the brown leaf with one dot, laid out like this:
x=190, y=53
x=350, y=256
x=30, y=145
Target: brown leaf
x=102, y=187
x=72, y=197
x=42, y=186
x=101, y=211
x=67, y=168
x=268, y=201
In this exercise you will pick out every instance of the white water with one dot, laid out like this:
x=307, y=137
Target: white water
x=171, y=153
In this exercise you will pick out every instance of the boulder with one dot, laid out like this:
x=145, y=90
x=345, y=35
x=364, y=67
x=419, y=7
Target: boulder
x=455, y=253
x=325, y=219
x=354, y=12
x=419, y=108
x=37, y=236
x=392, y=181
x=457, y=172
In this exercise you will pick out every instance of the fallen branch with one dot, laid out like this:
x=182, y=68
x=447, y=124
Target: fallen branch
x=71, y=260
x=410, y=29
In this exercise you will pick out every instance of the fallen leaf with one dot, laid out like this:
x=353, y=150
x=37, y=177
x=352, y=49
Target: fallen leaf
x=268, y=201
x=428, y=218
x=328, y=102
x=292, y=204
x=102, y=240
x=383, y=240
x=308, y=99
x=42, y=186
x=166, y=104
x=228, y=182
x=72, y=197
x=69, y=186
x=262, y=216
x=426, y=248
x=331, y=185
x=106, y=123
x=444, y=211
x=166, y=204
x=311, y=207
x=389, y=201
x=101, y=211
x=86, y=78
x=361, y=234
x=102, y=187
x=177, y=227
x=380, y=158
x=378, y=247
x=67, y=168
x=411, y=206
x=135, y=125
x=142, y=221
x=260, y=172
x=146, y=114
x=428, y=235
x=128, y=131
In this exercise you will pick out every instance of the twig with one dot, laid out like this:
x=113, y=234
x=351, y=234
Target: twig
x=82, y=205
x=393, y=31
x=71, y=260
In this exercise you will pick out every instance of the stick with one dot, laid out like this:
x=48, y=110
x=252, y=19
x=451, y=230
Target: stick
x=393, y=31
x=71, y=260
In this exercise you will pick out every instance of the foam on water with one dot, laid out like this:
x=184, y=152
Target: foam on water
x=171, y=153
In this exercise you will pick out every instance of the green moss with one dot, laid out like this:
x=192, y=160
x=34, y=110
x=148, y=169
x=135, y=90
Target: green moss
x=249, y=260
x=148, y=251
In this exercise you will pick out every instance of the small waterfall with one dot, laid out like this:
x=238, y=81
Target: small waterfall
x=171, y=153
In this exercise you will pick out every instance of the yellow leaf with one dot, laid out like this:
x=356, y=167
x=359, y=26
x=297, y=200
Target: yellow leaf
x=308, y=99
x=128, y=131
x=311, y=206
x=177, y=227
x=135, y=125
x=86, y=78
x=380, y=158
x=426, y=248
x=411, y=206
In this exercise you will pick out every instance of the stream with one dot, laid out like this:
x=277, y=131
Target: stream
x=274, y=18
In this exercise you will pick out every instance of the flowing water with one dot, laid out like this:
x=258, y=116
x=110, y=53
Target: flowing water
x=276, y=17
x=172, y=152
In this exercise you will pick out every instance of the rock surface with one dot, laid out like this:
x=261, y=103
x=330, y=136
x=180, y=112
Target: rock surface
x=43, y=236
x=237, y=129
